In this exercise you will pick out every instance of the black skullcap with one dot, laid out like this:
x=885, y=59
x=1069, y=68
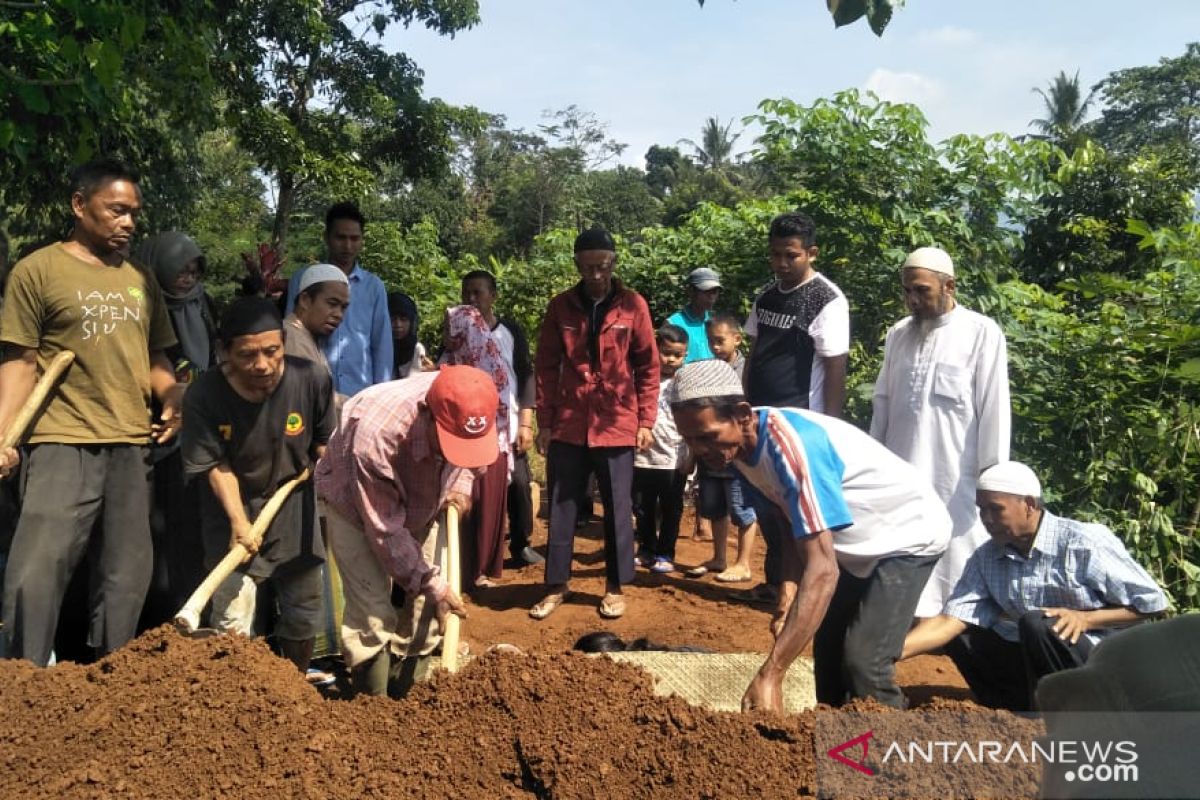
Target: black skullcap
x=247, y=316
x=595, y=238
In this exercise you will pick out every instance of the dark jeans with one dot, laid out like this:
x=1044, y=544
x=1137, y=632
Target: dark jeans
x=856, y=647
x=1004, y=674
x=656, y=490
x=776, y=532
x=520, y=506
x=570, y=465
x=178, y=546
x=67, y=488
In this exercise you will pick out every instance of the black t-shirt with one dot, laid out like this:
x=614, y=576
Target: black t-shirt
x=265, y=444
x=781, y=363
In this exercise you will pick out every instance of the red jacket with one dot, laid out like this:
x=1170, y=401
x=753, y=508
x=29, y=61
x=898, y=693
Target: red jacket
x=606, y=406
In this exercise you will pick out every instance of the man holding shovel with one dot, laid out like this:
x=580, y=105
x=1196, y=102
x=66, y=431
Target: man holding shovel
x=253, y=424
x=89, y=455
x=403, y=451
x=864, y=532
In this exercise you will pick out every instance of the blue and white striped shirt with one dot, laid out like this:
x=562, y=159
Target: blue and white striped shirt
x=1076, y=565
x=826, y=474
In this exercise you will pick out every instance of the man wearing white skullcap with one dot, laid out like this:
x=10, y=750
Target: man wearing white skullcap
x=942, y=403
x=322, y=297
x=1037, y=597
x=861, y=532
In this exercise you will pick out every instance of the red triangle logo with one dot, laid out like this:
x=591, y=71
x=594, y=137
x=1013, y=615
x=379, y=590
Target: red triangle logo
x=837, y=753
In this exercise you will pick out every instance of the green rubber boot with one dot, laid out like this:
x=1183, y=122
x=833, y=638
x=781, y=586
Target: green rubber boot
x=371, y=676
x=406, y=672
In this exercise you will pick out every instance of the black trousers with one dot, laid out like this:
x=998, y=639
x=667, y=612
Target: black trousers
x=520, y=506
x=67, y=488
x=655, y=491
x=178, y=546
x=862, y=635
x=1004, y=674
x=570, y=464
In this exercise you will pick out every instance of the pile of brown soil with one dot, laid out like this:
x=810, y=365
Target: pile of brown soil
x=173, y=717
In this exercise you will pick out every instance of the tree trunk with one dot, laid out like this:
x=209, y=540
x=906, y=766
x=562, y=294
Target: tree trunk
x=283, y=210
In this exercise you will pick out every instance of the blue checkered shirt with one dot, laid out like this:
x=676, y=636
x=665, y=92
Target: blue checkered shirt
x=1076, y=565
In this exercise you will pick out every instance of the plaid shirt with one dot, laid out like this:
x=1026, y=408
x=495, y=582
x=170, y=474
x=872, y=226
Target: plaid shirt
x=1072, y=564
x=379, y=471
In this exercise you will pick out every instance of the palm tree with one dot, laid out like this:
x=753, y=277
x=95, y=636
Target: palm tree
x=1066, y=108
x=715, y=150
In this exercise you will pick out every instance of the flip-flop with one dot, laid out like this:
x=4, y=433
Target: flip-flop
x=548, y=605
x=702, y=570
x=729, y=576
x=612, y=606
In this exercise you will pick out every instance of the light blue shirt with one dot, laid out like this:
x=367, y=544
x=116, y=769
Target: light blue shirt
x=359, y=351
x=697, y=333
x=1076, y=565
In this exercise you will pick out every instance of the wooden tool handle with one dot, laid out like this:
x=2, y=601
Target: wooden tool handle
x=188, y=617
x=453, y=577
x=54, y=370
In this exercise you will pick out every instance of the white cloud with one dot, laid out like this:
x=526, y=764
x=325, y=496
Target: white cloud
x=946, y=36
x=904, y=87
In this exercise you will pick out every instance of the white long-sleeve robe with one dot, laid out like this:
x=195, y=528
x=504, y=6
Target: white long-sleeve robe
x=942, y=404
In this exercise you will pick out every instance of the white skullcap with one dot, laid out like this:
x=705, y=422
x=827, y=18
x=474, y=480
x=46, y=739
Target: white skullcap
x=934, y=259
x=1010, y=477
x=709, y=377
x=319, y=273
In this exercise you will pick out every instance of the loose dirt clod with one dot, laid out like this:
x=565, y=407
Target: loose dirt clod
x=172, y=717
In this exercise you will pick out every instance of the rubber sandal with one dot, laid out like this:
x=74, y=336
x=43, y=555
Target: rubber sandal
x=612, y=606
x=547, y=605
x=702, y=570
x=729, y=576
x=318, y=677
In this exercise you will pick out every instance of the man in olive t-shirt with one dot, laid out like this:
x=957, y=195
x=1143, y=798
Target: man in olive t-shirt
x=89, y=450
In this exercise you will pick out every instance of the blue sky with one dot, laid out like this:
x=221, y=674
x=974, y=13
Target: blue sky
x=654, y=70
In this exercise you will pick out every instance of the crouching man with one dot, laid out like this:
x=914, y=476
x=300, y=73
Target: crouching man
x=866, y=533
x=1037, y=597
x=402, y=452
x=251, y=426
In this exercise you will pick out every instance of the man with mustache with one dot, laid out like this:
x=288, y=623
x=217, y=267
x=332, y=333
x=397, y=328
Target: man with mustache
x=942, y=403
x=254, y=423
x=89, y=454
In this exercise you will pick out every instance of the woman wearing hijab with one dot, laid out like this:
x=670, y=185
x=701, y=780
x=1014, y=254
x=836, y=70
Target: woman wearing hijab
x=178, y=264
x=408, y=352
x=468, y=340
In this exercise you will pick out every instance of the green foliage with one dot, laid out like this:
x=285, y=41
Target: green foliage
x=1066, y=108
x=320, y=106
x=79, y=79
x=877, y=12
x=877, y=188
x=1153, y=107
x=1082, y=225
x=1105, y=375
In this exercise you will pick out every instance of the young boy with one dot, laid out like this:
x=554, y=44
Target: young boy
x=660, y=471
x=720, y=491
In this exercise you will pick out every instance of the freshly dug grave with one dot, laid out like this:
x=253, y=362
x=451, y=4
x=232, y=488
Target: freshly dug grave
x=173, y=717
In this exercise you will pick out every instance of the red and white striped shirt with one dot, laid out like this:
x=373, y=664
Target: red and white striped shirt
x=380, y=472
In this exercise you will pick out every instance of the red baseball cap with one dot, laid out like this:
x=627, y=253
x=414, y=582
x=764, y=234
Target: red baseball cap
x=464, y=402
